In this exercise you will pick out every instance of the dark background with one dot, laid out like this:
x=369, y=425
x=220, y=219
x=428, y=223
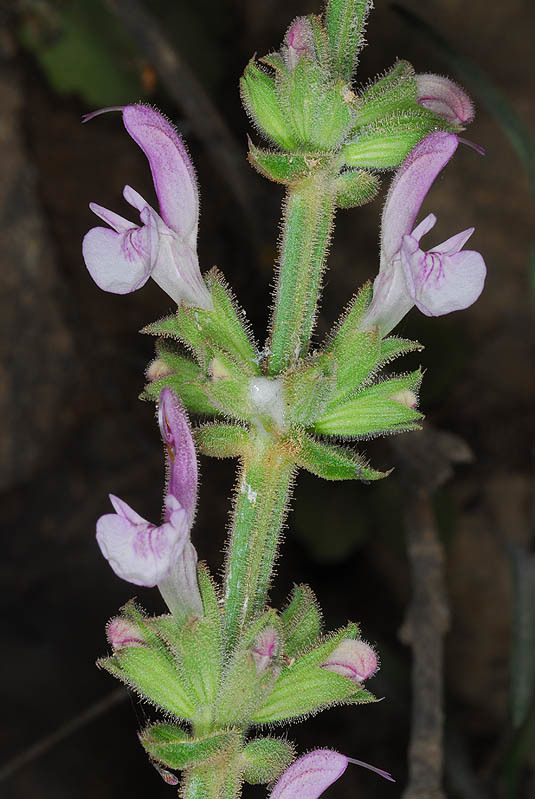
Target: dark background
x=72, y=428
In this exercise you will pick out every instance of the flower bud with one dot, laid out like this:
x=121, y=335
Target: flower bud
x=406, y=397
x=261, y=101
x=265, y=649
x=157, y=369
x=387, y=142
x=123, y=634
x=353, y=659
x=299, y=41
x=443, y=97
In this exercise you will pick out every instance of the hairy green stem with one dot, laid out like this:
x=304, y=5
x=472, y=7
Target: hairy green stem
x=219, y=780
x=307, y=224
x=262, y=494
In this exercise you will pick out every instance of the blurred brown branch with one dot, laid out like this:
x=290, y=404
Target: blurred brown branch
x=427, y=459
x=181, y=83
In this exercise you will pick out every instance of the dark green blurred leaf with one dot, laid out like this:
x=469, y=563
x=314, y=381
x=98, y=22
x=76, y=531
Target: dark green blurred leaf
x=82, y=50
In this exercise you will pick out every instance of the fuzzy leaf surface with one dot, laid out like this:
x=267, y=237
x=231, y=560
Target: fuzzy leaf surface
x=265, y=759
x=222, y=440
x=301, y=621
x=332, y=462
x=372, y=410
x=174, y=748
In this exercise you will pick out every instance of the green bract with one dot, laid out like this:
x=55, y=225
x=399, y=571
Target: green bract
x=304, y=687
x=261, y=99
x=265, y=759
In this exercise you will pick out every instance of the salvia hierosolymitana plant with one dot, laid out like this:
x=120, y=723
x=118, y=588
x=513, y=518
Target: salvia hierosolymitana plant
x=224, y=667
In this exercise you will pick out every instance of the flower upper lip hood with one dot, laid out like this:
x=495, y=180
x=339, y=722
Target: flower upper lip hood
x=443, y=97
x=314, y=772
x=439, y=281
x=163, y=246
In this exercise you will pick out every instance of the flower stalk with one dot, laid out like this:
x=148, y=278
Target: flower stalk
x=260, y=506
x=308, y=216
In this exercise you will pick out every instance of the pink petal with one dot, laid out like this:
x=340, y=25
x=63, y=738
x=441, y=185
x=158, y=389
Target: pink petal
x=391, y=301
x=440, y=284
x=180, y=589
x=299, y=40
x=310, y=775
x=119, y=262
x=117, y=222
x=353, y=659
x=180, y=453
x=177, y=272
x=409, y=187
x=123, y=509
x=123, y=634
x=265, y=649
x=424, y=227
x=140, y=552
x=445, y=98
x=455, y=243
x=172, y=170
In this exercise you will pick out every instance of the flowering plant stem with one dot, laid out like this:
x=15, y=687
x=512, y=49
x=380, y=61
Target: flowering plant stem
x=264, y=484
x=308, y=214
x=212, y=782
x=262, y=494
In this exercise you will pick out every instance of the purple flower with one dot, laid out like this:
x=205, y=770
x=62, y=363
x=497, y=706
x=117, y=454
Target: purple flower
x=149, y=555
x=312, y=774
x=299, y=42
x=265, y=649
x=124, y=634
x=353, y=659
x=164, y=246
x=444, y=279
x=445, y=98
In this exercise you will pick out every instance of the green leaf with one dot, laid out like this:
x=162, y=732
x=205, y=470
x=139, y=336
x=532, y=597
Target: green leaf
x=304, y=687
x=321, y=42
x=379, y=408
x=319, y=115
x=343, y=334
x=332, y=462
x=153, y=674
x=228, y=387
x=172, y=747
x=206, y=332
x=393, y=347
x=260, y=99
x=345, y=21
x=386, y=143
x=265, y=759
x=282, y=167
x=200, y=644
x=394, y=92
x=185, y=379
x=355, y=187
x=301, y=621
x=355, y=365
x=222, y=440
